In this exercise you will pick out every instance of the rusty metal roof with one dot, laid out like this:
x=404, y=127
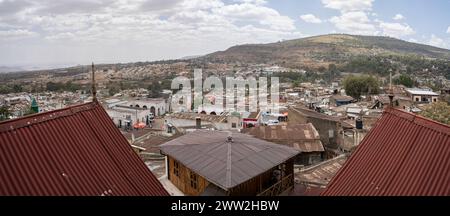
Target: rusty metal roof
x=402, y=155
x=70, y=152
x=313, y=114
x=203, y=117
x=321, y=174
x=227, y=164
x=303, y=137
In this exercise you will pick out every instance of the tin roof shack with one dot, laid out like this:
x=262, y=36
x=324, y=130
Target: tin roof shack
x=330, y=128
x=422, y=95
x=303, y=137
x=225, y=163
x=403, y=155
x=75, y=151
x=319, y=175
x=382, y=101
x=339, y=100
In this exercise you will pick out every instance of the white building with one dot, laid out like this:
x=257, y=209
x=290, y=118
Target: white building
x=422, y=95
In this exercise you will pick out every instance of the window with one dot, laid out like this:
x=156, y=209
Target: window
x=417, y=99
x=193, y=179
x=176, y=169
x=233, y=125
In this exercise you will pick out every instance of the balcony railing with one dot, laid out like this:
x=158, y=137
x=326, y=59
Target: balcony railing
x=279, y=187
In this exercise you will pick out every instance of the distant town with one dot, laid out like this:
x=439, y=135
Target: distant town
x=323, y=116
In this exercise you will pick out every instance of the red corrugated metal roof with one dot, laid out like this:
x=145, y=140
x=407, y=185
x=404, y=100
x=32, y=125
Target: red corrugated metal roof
x=72, y=151
x=402, y=155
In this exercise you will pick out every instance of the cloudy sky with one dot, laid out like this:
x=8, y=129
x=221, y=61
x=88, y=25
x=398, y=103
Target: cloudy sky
x=108, y=31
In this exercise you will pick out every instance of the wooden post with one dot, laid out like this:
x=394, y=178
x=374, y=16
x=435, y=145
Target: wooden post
x=94, y=90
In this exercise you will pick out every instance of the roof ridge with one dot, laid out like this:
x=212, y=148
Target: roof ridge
x=420, y=120
x=24, y=121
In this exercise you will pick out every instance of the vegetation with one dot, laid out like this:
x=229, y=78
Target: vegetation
x=439, y=111
x=368, y=64
x=356, y=86
x=68, y=86
x=4, y=113
x=297, y=78
x=154, y=89
x=405, y=80
x=350, y=53
x=15, y=88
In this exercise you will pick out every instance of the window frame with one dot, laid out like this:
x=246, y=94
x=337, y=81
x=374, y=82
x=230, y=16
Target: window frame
x=193, y=180
x=176, y=168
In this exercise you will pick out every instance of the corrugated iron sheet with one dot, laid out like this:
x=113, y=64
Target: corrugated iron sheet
x=402, y=155
x=208, y=154
x=303, y=137
x=71, y=152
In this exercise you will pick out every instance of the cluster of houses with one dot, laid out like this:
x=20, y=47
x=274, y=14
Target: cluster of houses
x=378, y=145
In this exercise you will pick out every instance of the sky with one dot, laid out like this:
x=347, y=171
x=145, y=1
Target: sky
x=58, y=32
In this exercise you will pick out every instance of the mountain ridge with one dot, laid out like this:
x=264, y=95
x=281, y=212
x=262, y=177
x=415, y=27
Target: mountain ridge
x=322, y=50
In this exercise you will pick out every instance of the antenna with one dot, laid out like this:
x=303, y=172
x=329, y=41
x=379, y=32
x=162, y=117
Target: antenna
x=94, y=90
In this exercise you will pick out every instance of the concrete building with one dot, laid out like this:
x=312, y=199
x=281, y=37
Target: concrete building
x=422, y=95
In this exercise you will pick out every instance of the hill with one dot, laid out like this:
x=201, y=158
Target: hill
x=339, y=49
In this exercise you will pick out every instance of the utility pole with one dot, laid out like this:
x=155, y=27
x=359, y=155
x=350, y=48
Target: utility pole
x=391, y=91
x=94, y=90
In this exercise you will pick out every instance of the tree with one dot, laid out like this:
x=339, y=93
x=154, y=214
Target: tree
x=357, y=86
x=333, y=72
x=438, y=111
x=405, y=80
x=112, y=90
x=4, y=113
x=322, y=69
x=154, y=89
x=51, y=86
x=17, y=88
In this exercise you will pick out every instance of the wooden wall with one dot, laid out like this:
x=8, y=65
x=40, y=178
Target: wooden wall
x=258, y=184
x=251, y=187
x=182, y=181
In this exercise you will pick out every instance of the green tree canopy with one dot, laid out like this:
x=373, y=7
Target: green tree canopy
x=356, y=86
x=405, y=80
x=154, y=89
x=4, y=113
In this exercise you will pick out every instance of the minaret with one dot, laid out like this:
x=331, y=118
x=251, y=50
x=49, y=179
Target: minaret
x=94, y=90
x=34, y=105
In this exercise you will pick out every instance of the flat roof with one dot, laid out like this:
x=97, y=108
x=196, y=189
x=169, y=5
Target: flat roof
x=421, y=92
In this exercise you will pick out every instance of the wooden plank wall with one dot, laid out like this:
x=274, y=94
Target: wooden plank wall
x=183, y=182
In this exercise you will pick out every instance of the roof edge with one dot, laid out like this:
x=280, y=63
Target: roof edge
x=420, y=120
x=37, y=118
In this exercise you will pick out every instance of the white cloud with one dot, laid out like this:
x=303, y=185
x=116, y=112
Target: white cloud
x=256, y=13
x=448, y=30
x=348, y=5
x=355, y=22
x=398, y=17
x=437, y=42
x=134, y=30
x=16, y=34
x=310, y=18
x=257, y=2
x=396, y=29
